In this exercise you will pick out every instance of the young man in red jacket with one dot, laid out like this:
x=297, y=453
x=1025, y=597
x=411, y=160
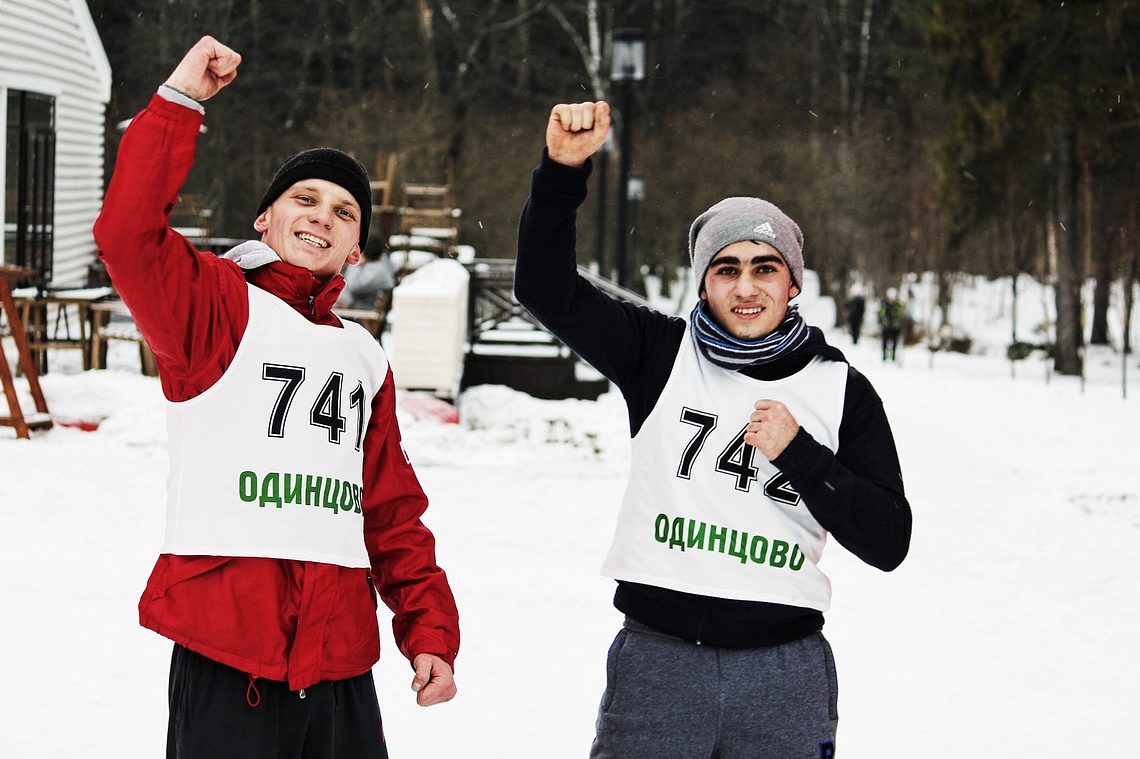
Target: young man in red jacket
x=291, y=502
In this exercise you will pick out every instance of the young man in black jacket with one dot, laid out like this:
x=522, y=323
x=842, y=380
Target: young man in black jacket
x=752, y=439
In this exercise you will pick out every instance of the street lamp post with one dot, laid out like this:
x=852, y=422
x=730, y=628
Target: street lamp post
x=634, y=193
x=628, y=59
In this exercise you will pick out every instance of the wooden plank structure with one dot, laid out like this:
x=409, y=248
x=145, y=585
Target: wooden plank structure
x=414, y=215
x=41, y=419
x=384, y=212
x=428, y=215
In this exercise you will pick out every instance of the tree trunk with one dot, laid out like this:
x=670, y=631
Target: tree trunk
x=1013, y=309
x=1130, y=266
x=426, y=26
x=1129, y=301
x=1099, y=257
x=1102, y=291
x=522, y=39
x=945, y=280
x=1067, y=353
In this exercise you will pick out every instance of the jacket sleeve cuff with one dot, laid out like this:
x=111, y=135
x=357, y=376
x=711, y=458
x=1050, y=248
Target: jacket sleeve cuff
x=557, y=179
x=800, y=457
x=166, y=92
x=421, y=639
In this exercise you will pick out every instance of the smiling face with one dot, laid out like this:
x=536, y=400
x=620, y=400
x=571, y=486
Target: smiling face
x=747, y=287
x=315, y=224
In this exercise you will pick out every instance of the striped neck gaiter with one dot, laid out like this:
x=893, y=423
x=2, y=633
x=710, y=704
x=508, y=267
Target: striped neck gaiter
x=729, y=352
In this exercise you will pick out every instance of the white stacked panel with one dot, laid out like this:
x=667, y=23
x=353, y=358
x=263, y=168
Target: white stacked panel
x=429, y=328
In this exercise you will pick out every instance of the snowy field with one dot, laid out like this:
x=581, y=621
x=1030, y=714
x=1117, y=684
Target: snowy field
x=1008, y=632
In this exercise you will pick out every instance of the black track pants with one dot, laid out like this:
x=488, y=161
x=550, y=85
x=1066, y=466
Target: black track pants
x=217, y=712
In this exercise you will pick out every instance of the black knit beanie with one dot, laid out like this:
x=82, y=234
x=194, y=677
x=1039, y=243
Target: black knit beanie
x=332, y=165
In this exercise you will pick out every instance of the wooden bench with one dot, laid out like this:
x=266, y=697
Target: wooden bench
x=53, y=330
x=372, y=319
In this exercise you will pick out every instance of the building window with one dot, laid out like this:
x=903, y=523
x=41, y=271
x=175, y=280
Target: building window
x=29, y=184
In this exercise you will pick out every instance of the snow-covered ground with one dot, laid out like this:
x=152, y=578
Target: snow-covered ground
x=1008, y=632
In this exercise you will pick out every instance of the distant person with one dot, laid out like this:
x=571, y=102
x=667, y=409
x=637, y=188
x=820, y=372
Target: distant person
x=368, y=285
x=753, y=439
x=856, y=309
x=291, y=504
x=892, y=317
x=370, y=280
x=910, y=328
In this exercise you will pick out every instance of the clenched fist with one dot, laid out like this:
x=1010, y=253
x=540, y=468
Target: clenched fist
x=205, y=69
x=575, y=131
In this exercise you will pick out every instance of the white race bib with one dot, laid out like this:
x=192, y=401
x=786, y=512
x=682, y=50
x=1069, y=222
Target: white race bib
x=268, y=462
x=706, y=513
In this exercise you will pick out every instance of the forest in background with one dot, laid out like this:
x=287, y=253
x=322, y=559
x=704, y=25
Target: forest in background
x=969, y=137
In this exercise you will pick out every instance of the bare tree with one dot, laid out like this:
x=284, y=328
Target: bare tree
x=588, y=43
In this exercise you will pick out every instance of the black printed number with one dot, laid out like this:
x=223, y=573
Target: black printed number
x=292, y=377
x=705, y=424
x=736, y=460
x=327, y=410
x=356, y=400
x=779, y=488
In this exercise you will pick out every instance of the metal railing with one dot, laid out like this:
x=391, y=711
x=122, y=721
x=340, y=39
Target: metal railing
x=492, y=303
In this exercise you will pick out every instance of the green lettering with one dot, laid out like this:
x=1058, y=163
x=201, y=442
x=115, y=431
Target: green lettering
x=292, y=492
x=718, y=536
x=247, y=486
x=313, y=490
x=677, y=535
x=779, y=554
x=271, y=490
x=332, y=494
x=795, y=565
x=696, y=535
x=761, y=542
x=739, y=550
x=346, y=502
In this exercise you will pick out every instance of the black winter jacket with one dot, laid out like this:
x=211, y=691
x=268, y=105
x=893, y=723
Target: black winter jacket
x=856, y=493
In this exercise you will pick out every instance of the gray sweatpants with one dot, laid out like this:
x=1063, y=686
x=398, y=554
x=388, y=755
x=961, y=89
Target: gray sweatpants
x=666, y=698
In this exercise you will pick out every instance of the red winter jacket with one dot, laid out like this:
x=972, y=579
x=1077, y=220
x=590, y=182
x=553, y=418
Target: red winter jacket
x=295, y=621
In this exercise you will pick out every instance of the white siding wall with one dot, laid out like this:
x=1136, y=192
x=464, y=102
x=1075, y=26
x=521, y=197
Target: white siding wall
x=52, y=46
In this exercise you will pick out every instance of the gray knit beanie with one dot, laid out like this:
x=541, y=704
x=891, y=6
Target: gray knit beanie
x=332, y=165
x=741, y=218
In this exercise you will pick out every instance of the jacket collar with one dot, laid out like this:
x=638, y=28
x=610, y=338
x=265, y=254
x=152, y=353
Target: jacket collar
x=293, y=284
